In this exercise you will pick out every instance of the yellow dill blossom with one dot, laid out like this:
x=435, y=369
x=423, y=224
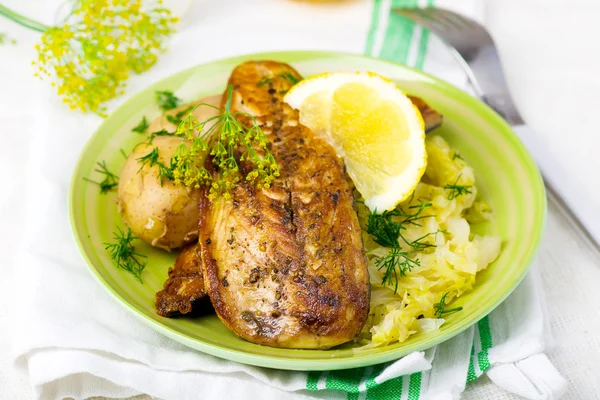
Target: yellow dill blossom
x=226, y=142
x=92, y=54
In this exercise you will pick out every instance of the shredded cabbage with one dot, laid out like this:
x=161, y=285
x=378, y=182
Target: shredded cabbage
x=447, y=268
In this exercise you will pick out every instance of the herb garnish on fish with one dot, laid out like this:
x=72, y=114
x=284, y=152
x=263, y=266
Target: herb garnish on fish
x=227, y=141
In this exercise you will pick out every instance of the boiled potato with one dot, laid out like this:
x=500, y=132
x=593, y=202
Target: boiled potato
x=162, y=214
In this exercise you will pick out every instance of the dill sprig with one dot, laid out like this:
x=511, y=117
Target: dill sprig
x=440, y=308
x=151, y=159
x=142, y=127
x=124, y=254
x=396, y=264
x=456, y=190
x=166, y=100
x=162, y=132
x=110, y=180
x=265, y=80
x=288, y=76
x=383, y=230
x=387, y=232
x=227, y=141
x=176, y=119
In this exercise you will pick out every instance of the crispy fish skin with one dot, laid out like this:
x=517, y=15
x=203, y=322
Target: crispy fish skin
x=185, y=285
x=285, y=266
x=431, y=117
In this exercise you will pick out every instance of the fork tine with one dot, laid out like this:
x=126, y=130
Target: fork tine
x=471, y=27
x=430, y=18
x=447, y=24
x=446, y=19
x=460, y=20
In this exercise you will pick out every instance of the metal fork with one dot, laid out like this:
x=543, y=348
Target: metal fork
x=475, y=51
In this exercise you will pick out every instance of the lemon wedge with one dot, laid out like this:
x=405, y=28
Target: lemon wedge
x=372, y=125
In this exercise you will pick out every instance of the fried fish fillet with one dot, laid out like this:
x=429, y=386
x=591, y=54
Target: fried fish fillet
x=431, y=117
x=185, y=285
x=285, y=266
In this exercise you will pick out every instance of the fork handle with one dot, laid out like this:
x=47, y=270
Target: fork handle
x=562, y=190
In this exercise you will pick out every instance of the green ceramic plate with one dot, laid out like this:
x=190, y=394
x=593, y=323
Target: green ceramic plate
x=506, y=176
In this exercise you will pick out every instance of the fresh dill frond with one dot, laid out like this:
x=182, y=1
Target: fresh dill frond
x=166, y=100
x=162, y=132
x=265, y=80
x=414, y=213
x=420, y=244
x=123, y=253
x=228, y=141
x=383, y=230
x=394, y=265
x=123, y=153
x=288, y=76
x=387, y=232
x=110, y=180
x=151, y=159
x=456, y=190
x=456, y=155
x=176, y=119
x=440, y=308
x=142, y=127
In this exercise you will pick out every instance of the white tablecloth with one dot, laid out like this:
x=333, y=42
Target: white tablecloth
x=548, y=50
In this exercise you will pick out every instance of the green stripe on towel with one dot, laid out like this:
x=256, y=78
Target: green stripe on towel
x=397, y=39
x=371, y=37
x=486, y=343
x=388, y=390
x=353, y=396
x=345, y=379
x=312, y=380
x=370, y=382
x=471, y=375
x=414, y=390
x=395, y=32
x=423, y=41
x=480, y=360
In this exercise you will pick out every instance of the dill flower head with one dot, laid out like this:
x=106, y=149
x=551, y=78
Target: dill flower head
x=233, y=136
x=91, y=56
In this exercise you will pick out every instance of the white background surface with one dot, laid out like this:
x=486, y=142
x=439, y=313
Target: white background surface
x=552, y=64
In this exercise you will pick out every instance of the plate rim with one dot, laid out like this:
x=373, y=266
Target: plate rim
x=270, y=361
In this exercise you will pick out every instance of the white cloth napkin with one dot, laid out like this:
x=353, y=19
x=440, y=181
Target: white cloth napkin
x=73, y=340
